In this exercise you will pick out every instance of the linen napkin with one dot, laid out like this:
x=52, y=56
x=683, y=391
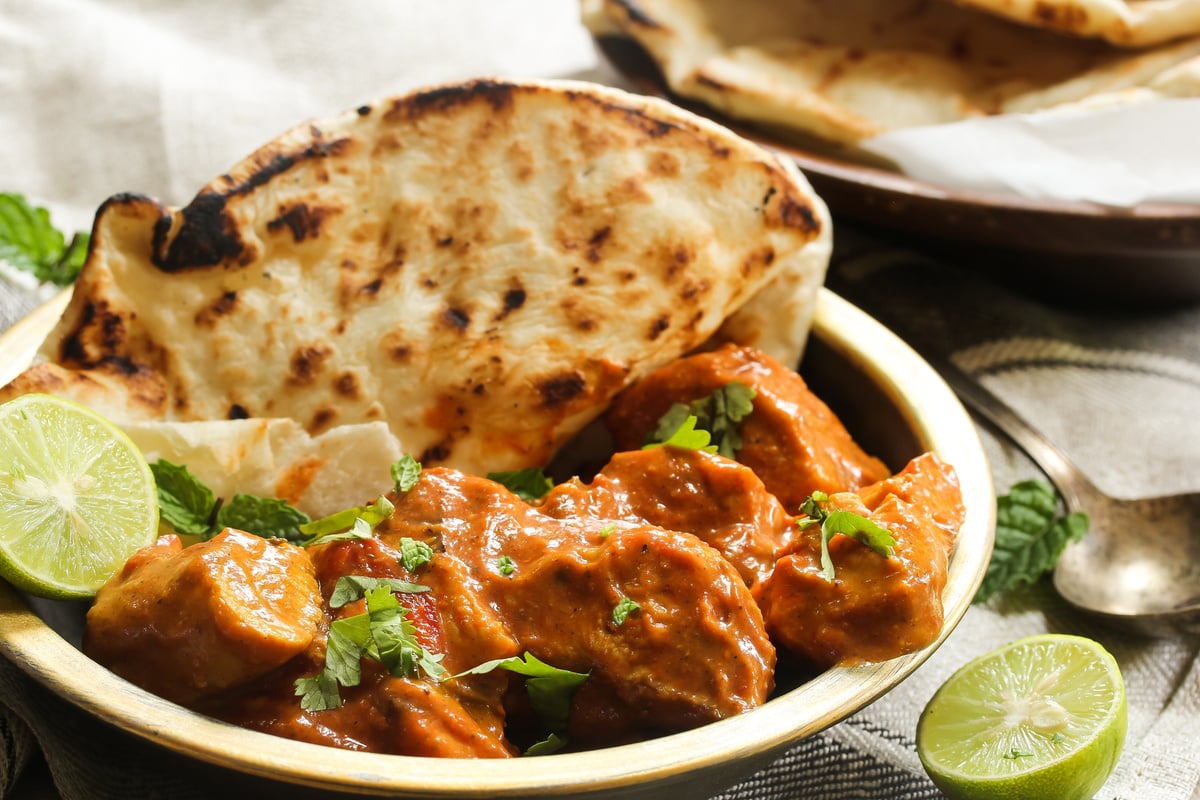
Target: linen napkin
x=134, y=95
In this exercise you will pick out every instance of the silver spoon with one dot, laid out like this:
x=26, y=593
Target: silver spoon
x=1139, y=564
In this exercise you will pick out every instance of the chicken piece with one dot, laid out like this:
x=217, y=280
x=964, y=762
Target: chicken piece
x=695, y=650
x=718, y=500
x=410, y=715
x=876, y=607
x=189, y=623
x=791, y=440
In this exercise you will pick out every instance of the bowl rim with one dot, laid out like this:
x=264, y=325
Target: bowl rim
x=751, y=739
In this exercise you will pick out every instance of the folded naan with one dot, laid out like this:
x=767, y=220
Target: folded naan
x=1133, y=23
x=843, y=72
x=480, y=267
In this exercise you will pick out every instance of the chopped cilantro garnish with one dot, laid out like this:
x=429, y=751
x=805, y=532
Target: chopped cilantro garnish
x=382, y=633
x=608, y=530
x=719, y=414
x=622, y=610
x=414, y=554
x=506, y=565
x=846, y=523
x=551, y=744
x=528, y=484
x=550, y=689
x=351, y=587
x=405, y=473
x=30, y=242
x=1030, y=536
x=685, y=435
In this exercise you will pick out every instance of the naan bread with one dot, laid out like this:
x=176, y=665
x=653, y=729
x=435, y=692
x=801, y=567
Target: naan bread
x=1129, y=23
x=480, y=267
x=847, y=71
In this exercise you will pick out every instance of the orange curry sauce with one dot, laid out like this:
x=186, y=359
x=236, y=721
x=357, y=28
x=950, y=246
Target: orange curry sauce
x=707, y=547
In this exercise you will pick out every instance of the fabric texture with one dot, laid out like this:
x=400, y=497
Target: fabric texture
x=98, y=97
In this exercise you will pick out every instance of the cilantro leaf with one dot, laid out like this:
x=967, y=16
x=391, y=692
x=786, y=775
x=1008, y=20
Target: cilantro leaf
x=622, y=610
x=414, y=554
x=506, y=565
x=686, y=437
x=720, y=414
x=262, y=516
x=550, y=689
x=184, y=503
x=551, y=744
x=30, y=242
x=1030, y=536
x=382, y=633
x=405, y=473
x=846, y=523
x=528, y=484
x=351, y=587
x=372, y=514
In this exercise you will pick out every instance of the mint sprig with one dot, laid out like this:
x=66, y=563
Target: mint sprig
x=529, y=484
x=30, y=242
x=1030, y=537
x=190, y=508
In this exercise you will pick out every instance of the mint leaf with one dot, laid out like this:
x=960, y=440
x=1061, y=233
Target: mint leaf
x=686, y=436
x=528, y=484
x=1030, y=536
x=262, y=516
x=405, y=473
x=846, y=523
x=720, y=414
x=551, y=744
x=184, y=503
x=30, y=242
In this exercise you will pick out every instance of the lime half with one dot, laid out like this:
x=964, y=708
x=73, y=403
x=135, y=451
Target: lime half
x=77, y=498
x=1042, y=717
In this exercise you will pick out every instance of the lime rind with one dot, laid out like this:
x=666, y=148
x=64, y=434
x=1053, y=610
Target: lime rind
x=1043, y=716
x=76, y=497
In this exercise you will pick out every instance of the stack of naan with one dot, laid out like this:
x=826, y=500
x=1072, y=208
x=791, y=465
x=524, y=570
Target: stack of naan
x=841, y=72
x=467, y=274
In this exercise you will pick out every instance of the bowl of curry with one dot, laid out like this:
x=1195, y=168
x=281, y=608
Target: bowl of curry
x=698, y=670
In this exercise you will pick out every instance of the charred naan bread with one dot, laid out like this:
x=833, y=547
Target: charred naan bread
x=847, y=71
x=1122, y=22
x=480, y=267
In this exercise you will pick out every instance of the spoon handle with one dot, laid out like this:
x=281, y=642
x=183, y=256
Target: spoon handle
x=1070, y=481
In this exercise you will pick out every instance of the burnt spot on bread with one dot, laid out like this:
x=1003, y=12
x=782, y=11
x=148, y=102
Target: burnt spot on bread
x=596, y=242
x=306, y=363
x=237, y=411
x=658, y=326
x=302, y=220
x=322, y=419
x=497, y=94
x=435, y=453
x=513, y=299
x=455, y=318
x=758, y=261
x=99, y=336
x=347, y=385
x=363, y=111
x=1063, y=16
x=558, y=390
x=204, y=234
x=207, y=317
x=637, y=15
